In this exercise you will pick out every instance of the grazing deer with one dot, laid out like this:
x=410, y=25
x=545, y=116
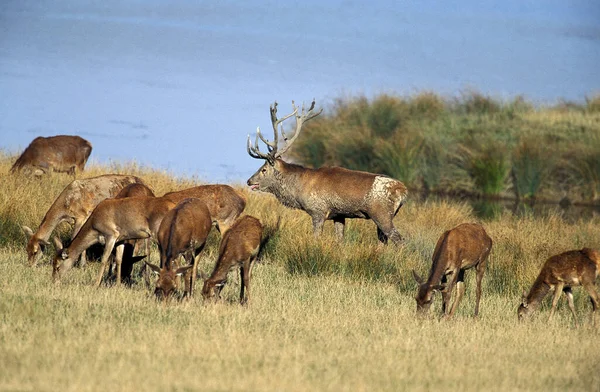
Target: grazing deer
x=74, y=204
x=328, y=193
x=124, y=252
x=62, y=153
x=223, y=202
x=463, y=247
x=240, y=246
x=182, y=232
x=561, y=273
x=113, y=220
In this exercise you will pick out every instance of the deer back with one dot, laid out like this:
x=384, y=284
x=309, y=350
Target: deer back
x=223, y=202
x=183, y=228
x=60, y=153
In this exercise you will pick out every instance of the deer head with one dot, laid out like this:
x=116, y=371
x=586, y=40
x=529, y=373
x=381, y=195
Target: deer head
x=424, y=296
x=524, y=309
x=35, y=246
x=167, y=284
x=262, y=178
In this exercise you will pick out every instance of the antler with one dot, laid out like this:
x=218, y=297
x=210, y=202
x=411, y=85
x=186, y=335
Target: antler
x=273, y=147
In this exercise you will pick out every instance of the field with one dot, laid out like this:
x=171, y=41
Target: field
x=322, y=315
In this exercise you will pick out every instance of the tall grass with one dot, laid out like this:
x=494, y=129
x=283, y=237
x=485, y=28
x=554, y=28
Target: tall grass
x=417, y=139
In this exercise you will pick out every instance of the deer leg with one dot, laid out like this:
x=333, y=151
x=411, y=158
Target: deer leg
x=480, y=269
x=108, y=247
x=76, y=227
x=386, y=230
x=245, y=272
x=460, y=291
x=189, y=276
x=557, y=291
x=445, y=296
x=118, y=262
x=317, y=221
x=340, y=226
x=447, y=293
x=569, y=294
x=590, y=287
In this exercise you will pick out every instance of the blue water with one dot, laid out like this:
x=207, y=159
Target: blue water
x=177, y=85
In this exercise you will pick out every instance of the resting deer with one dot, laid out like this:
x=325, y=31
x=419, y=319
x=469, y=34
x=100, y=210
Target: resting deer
x=240, y=246
x=561, y=273
x=328, y=193
x=113, y=220
x=463, y=247
x=223, y=202
x=183, y=231
x=74, y=204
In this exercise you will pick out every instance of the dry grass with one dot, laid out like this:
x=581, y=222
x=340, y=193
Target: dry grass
x=339, y=329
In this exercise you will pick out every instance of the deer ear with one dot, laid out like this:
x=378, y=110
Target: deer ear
x=417, y=277
x=182, y=270
x=154, y=268
x=439, y=287
x=28, y=232
x=57, y=243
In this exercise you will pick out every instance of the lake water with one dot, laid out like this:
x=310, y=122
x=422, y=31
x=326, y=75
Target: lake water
x=177, y=85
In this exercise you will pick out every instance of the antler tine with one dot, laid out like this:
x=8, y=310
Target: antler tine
x=254, y=151
x=300, y=120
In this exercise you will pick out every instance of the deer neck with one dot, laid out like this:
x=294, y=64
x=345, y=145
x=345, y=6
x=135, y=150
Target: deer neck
x=52, y=218
x=288, y=185
x=83, y=240
x=536, y=294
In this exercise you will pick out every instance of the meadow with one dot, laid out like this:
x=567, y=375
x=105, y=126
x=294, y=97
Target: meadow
x=323, y=315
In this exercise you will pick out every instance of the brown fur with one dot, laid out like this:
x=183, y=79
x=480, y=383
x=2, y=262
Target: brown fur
x=183, y=232
x=62, y=153
x=129, y=248
x=560, y=273
x=223, y=202
x=74, y=204
x=459, y=249
x=113, y=220
x=334, y=193
x=240, y=246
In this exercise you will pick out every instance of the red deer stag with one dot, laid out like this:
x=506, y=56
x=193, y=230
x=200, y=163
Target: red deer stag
x=113, y=220
x=74, y=204
x=240, y=246
x=223, y=202
x=183, y=232
x=561, y=273
x=463, y=247
x=328, y=193
x=62, y=153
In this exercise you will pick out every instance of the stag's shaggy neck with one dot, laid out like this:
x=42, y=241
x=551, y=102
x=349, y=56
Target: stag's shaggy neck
x=288, y=184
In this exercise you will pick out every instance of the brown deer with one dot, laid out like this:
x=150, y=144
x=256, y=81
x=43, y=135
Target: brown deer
x=62, y=153
x=126, y=250
x=74, y=204
x=561, y=273
x=328, y=193
x=113, y=220
x=240, y=246
x=463, y=247
x=183, y=232
x=223, y=202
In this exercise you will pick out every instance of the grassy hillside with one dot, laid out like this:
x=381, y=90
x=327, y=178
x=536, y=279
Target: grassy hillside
x=472, y=145
x=323, y=315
